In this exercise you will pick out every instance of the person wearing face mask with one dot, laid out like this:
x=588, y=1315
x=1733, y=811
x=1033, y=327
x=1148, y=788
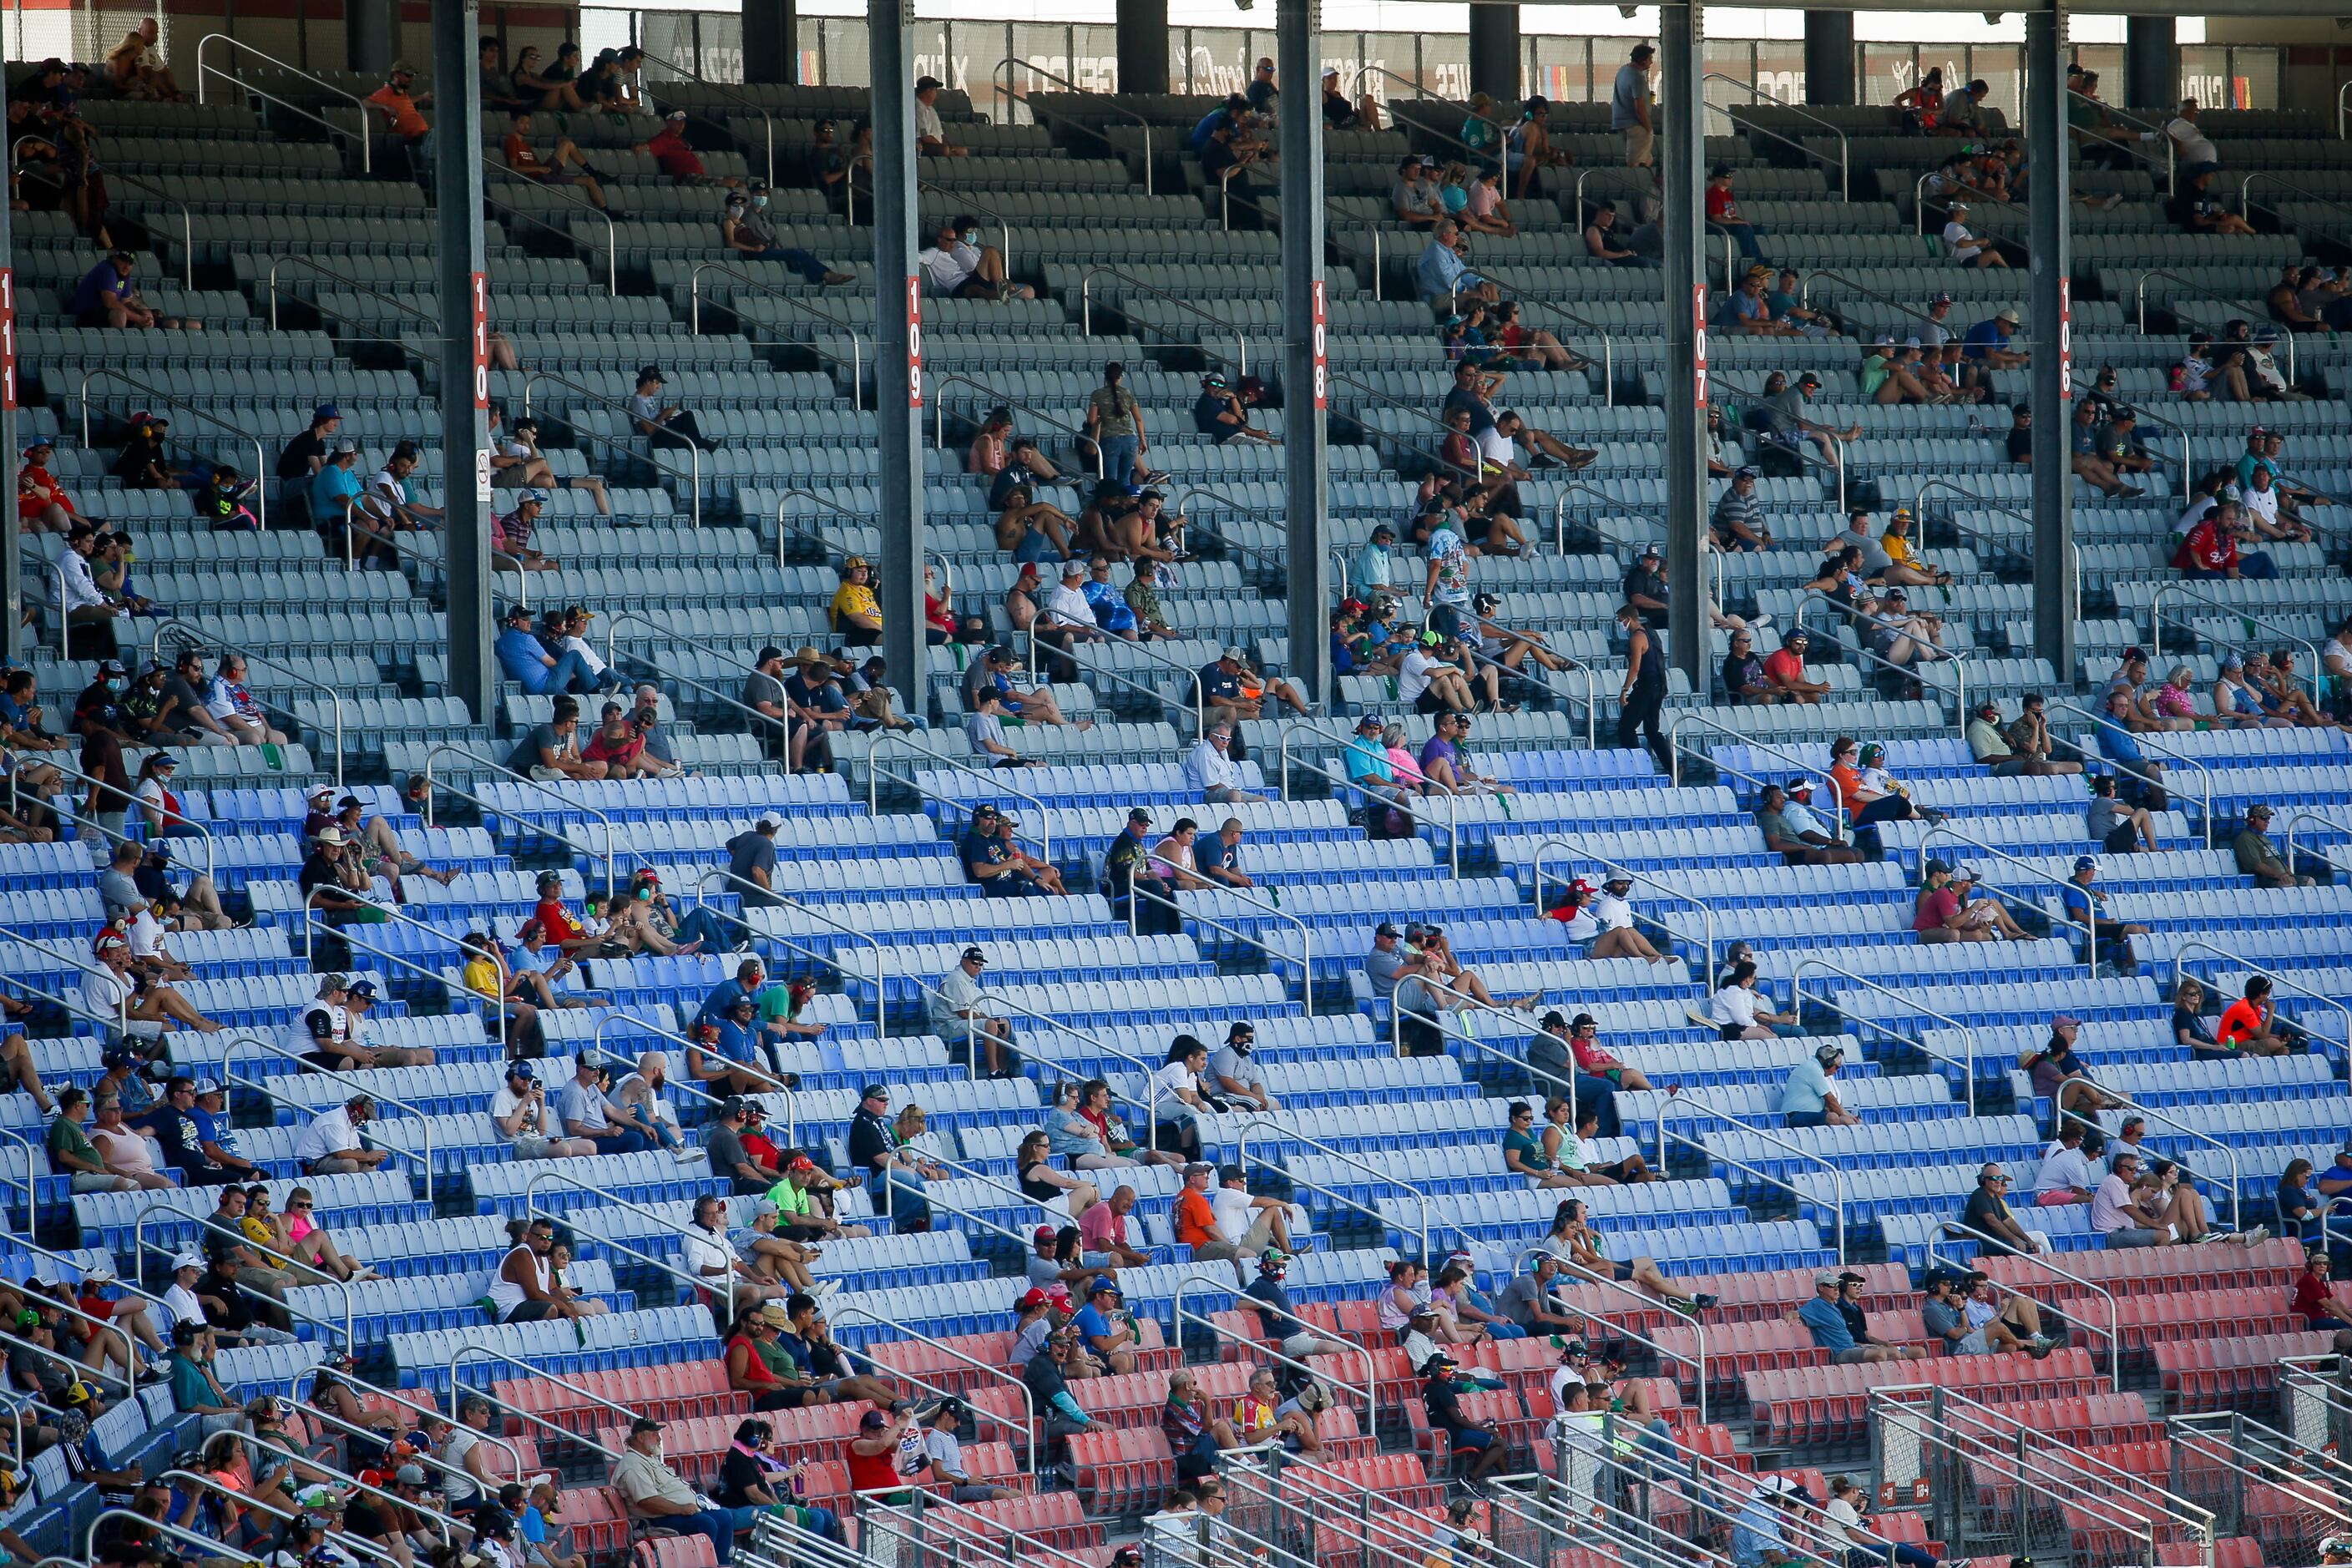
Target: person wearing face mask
x=956, y=265
x=745, y=229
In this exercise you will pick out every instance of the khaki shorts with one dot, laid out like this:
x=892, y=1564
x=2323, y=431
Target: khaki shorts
x=1639, y=140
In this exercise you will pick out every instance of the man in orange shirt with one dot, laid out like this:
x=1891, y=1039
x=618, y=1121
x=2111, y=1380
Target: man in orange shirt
x=400, y=108
x=2249, y=1024
x=524, y=160
x=1196, y=1221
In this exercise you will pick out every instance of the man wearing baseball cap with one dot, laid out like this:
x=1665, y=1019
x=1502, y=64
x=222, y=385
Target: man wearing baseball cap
x=651, y=1490
x=1833, y=1331
x=1106, y=1327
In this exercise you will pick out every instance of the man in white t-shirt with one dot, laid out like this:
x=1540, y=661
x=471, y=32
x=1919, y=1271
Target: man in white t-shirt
x=948, y=264
x=1965, y=247
x=2066, y=1176
x=2190, y=145
x=1245, y=1224
x=930, y=136
x=1427, y=682
x=180, y=1297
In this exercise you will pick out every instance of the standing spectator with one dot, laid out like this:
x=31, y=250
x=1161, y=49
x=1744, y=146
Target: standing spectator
x=1629, y=109
x=1643, y=694
x=1114, y=424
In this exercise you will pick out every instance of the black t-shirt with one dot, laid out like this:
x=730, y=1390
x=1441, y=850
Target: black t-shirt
x=1983, y=1207
x=1444, y=1403
x=1217, y=156
x=1648, y=585
x=175, y=1131
x=2199, y=1035
x=1276, y=1326
x=1206, y=409
x=870, y=1135
x=738, y=1472
x=1216, y=686
x=2020, y=444
x=238, y=1316
x=294, y=461
x=318, y=872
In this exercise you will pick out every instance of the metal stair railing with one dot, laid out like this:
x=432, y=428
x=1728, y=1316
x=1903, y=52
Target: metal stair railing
x=312, y=925
x=120, y=1021
x=1968, y=1065
x=508, y=775
x=1682, y=1097
x=157, y=398
x=1919, y=510
x=1198, y=706
x=562, y=1221
x=1566, y=843
x=874, y=774
x=205, y=1545
x=1953, y=1231
x=2139, y=305
x=1262, y=1352
x=2246, y=616
x=206, y=71
x=1957, y=658
x=2064, y=1114
x=857, y=361
x=473, y=1351
x=693, y=449
x=199, y=635
x=1150, y=1144
x=1281, y=1134
x=364, y=1390
x=1758, y=96
x=1959, y=1447
x=422, y=1155
x=1572, y=1276
x=1452, y=824
x=1009, y=97
x=1835, y=808
x=2241, y=1468
x=1007, y=399
x=2090, y=934
x=493, y=169
x=206, y=1221
x=746, y=100
x=844, y=1316
x=335, y=1477
x=2308, y=816
x=743, y=884
x=1304, y=960
x=2276, y=977
x=1087, y=309
x=2088, y=752
x=780, y=728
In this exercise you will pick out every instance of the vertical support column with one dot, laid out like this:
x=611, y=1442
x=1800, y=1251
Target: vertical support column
x=898, y=350
x=771, y=43
x=2151, y=63
x=12, y=565
x=371, y=35
x=1680, y=124
x=465, y=388
x=1494, y=52
x=1829, y=58
x=2053, y=482
x=1306, y=384
x=1143, y=47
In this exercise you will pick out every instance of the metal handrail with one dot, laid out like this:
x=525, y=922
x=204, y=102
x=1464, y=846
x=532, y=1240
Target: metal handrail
x=1919, y=510
x=1575, y=1274
x=205, y=1545
x=1805, y=296
x=2187, y=467
x=940, y=412
x=2279, y=180
x=1419, y=92
x=1274, y=1352
x=1453, y=824
x=1685, y=1098
x=187, y=224
x=2092, y=754
x=402, y=306
x=2186, y=591
x=856, y=344
x=1836, y=803
x=508, y=775
x=781, y=727
x=1533, y=297
x=881, y=968
x=555, y=1173
x=1919, y=200
x=2090, y=932
x=744, y=99
x=1255, y=551
x=1571, y=487
x=334, y=698
x=1756, y=94
x=121, y=1021
x=306, y=1067
x=962, y=199
x=2306, y=815
x=2139, y=305
x=1087, y=309
x=1305, y=959
x=1150, y=1144
x=1285, y=1134
x=2061, y=1115
x=1469, y=1004
x=1112, y=103
x=363, y=1388
x=849, y=1313
x=1967, y=1065
x=2276, y=977
x=861, y=518
x=427, y=565
x=2254, y=1452
x=484, y=1353
x=367, y=165
x=612, y=235
x=898, y=737
x=260, y=458
x=311, y=925
x=1199, y=706
x=1957, y=658
x=132, y=802
x=694, y=452
x=340, y=1478
x=1506, y=672
x=209, y=1222
x=2115, y=1318
x=970, y=1173
x=1567, y=844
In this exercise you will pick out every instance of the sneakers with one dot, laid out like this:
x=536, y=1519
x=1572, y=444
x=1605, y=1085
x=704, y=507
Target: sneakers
x=2255, y=1236
x=1703, y=1301
x=687, y=1154
x=822, y=1289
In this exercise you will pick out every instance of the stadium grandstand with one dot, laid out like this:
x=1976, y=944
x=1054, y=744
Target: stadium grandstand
x=1123, y=793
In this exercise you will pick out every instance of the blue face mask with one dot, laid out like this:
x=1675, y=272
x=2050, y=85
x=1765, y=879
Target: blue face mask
x=971, y=236
x=759, y=201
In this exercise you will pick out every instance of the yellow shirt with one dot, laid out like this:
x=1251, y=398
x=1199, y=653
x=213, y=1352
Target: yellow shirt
x=1252, y=1417
x=854, y=599
x=1897, y=547
x=482, y=979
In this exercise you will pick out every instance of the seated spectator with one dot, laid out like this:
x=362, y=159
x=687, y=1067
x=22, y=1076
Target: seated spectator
x=2251, y=1026
x=73, y=1153
x=1848, y=1341
x=1602, y=241
x=1738, y=1009
x=109, y=993
x=520, y=1110
x=956, y=265
x=1001, y=868
x=745, y=232
x=1961, y=1315
x=930, y=136
x=2066, y=1177
x=1784, y=669
x=296, y=1241
x=2081, y=903
x=525, y=659
x=958, y=1016
x=42, y=500
x=617, y=748
x=2314, y=1299
x=106, y=297
x=1177, y=1098
x=524, y=160
x=1574, y=1242
x=1210, y=768
x=551, y=751
x=2257, y=858
x=1737, y=521
x=331, y=1144
x=665, y=425
x=1524, y=1155
x=1806, y=1097
x=1964, y=245
x=2133, y=1208
x=2060, y=1077
x=588, y=1112
x=652, y=1491
x=1792, y=831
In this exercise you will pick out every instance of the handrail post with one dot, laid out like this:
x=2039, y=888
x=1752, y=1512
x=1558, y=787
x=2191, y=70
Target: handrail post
x=1371, y=1389
x=1567, y=844
x=843, y=1316
x=881, y=1009
x=1667, y=1109
x=611, y=883
x=2114, y=1318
